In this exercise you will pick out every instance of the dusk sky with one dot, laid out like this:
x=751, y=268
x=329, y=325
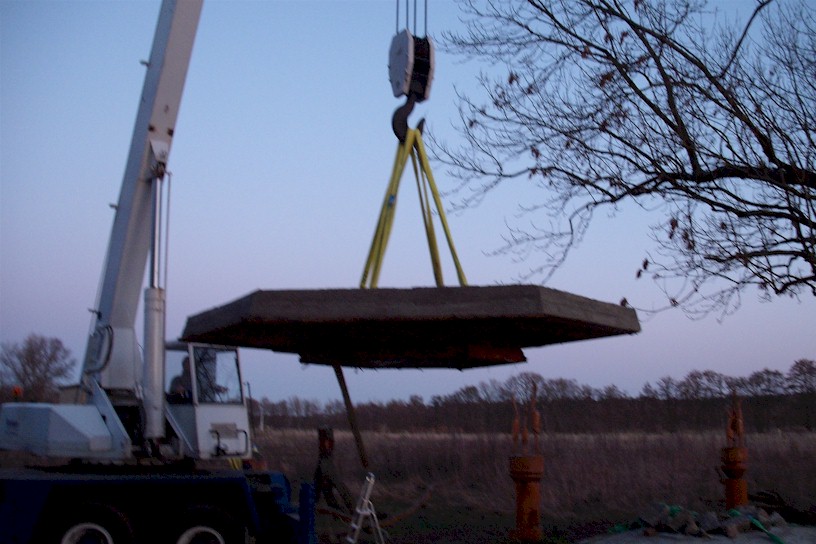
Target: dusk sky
x=282, y=152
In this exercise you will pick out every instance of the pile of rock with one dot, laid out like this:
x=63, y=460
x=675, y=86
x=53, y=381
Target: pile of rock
x=665, y=518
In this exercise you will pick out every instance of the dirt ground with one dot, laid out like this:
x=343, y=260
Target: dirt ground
x=426, y=531
x=791, y=534
x=440, y=521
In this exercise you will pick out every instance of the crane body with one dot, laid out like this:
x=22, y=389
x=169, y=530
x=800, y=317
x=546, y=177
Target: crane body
x=143, y=462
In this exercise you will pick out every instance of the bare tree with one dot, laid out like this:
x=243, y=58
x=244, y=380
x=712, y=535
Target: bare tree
x=764, y=382
x=704, y=119
x=493, y=391
x=468, y=394
x=612, y=392
x=38, y=366
x=648, y=391
x=667, y=388
x=801, y=377
x=705, y=384
x=520, y=385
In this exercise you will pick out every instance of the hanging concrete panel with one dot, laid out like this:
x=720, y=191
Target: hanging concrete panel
x=427, y=327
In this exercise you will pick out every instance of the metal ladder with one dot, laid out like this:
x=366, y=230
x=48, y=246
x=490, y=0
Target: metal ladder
x=363, y=511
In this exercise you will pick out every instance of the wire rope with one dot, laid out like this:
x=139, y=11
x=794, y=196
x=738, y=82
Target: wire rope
x=407, y=16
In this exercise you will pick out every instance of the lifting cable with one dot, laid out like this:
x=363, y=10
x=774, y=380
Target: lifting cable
x=425, y=30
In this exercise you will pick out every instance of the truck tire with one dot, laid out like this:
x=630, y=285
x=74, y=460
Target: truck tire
x=209, y=526
x=92, y=524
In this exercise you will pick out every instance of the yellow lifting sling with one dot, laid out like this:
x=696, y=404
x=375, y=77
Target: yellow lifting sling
x=414, y=148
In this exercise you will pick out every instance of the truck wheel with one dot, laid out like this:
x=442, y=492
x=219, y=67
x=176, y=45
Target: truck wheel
x=210, y=527
x=87, y=533
x=93, y=524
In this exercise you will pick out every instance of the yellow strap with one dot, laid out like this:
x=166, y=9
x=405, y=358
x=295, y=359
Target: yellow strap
x=413, y=147
x=427, y=219
x=386, y=220
x=423, y=157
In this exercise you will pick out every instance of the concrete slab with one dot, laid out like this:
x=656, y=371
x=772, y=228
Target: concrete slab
x=427, y=327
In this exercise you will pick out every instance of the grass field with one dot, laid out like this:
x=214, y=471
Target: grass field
x=456, y=488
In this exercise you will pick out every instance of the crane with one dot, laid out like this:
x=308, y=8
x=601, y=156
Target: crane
x=134, y=449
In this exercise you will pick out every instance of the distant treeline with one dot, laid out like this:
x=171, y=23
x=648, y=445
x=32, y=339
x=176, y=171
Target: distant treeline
x=770, y=400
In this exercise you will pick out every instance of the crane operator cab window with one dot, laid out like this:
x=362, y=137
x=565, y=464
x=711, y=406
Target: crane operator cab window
x=211, y=376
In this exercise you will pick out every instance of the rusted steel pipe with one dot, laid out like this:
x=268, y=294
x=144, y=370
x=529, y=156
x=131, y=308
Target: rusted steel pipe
x=734, y=465
x=735, y=457
x=527, y=471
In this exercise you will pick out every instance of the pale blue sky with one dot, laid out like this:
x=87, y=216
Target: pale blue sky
x=282, y=153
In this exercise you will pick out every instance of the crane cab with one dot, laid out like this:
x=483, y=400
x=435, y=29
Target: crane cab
x=205, y=408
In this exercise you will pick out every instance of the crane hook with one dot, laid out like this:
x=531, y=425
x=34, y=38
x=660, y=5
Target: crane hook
x=399, y=121
x=411, y=66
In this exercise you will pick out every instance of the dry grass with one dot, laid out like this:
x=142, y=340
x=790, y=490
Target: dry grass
x=600, y=479
x=590, y=482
